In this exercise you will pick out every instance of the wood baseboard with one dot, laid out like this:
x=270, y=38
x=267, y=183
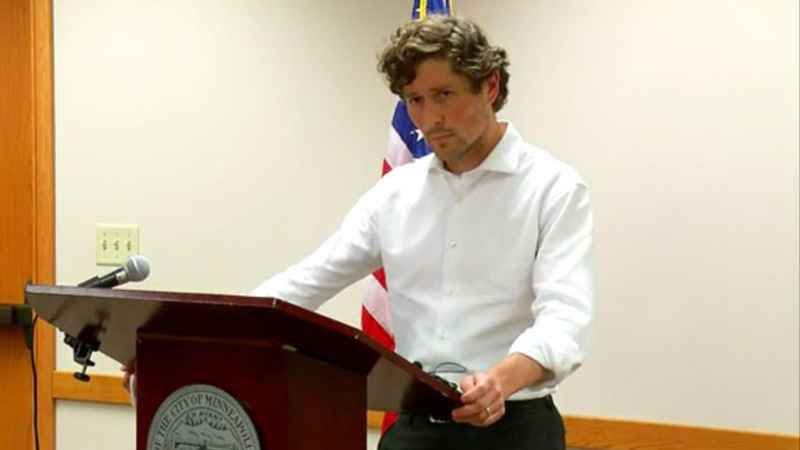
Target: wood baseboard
x=582, y=432
x=374, y=419
x=595, y=432
x=612, y=434
x=99, y=389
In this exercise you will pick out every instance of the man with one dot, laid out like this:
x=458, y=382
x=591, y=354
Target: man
x=486, y=245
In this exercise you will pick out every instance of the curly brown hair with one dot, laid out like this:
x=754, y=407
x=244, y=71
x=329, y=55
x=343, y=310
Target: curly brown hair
x=458, y=40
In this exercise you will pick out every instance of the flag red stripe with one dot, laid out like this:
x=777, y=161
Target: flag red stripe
x=373, y=329
x=386, y=167
x=380, y=276
x=388, y=420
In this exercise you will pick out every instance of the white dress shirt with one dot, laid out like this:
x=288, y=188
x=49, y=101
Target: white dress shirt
x=480, y=265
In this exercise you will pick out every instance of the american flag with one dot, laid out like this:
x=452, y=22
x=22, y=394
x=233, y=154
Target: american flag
x=406, y=143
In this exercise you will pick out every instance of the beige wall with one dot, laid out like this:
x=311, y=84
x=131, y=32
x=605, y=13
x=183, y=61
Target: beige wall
x=237, y=134
x=683, y=116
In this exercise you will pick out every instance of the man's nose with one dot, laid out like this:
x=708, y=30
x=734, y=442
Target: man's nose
x=432, y=119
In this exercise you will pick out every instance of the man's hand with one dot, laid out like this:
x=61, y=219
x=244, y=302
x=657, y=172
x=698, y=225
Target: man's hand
x=484, y=403
x=485, y=393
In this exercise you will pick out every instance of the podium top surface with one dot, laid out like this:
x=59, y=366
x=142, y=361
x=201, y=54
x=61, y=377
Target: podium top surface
x=116, y=316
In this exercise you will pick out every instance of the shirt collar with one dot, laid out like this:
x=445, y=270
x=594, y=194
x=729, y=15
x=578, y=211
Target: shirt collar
x=504, y=158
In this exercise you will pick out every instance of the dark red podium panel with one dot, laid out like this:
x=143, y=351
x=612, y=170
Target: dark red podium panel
x=304, y=380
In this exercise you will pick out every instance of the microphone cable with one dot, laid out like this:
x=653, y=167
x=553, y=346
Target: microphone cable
x=35, y=385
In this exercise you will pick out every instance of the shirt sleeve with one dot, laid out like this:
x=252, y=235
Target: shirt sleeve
x=350, y=254
x=562, y=286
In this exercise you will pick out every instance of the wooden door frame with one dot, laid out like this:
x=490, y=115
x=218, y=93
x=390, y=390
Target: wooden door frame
x=44, y=208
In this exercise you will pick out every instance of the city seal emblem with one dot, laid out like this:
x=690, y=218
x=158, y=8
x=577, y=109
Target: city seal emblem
x=201, y=416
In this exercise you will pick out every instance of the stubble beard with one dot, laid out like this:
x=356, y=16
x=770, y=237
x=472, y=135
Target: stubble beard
x=462, y=148
x=458, y=152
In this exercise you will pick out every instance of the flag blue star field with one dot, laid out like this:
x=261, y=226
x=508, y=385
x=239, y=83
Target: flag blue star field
x=406, y=143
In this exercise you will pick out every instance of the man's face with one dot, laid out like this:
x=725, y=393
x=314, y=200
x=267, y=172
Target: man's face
x=453, y=118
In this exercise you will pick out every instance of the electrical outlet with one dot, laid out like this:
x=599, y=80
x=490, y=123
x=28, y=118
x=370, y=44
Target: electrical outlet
x=115, y=243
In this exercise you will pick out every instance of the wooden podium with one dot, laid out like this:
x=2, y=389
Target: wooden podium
x=236, y=372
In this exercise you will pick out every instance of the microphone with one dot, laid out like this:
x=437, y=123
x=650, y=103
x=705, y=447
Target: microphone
x=136, y=268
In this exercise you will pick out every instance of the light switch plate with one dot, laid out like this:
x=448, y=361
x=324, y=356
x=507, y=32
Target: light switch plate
x=115, y=243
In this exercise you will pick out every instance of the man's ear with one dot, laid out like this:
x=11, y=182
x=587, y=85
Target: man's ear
x=491, y=86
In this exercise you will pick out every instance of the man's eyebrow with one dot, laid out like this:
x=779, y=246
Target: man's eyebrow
x=442, y=87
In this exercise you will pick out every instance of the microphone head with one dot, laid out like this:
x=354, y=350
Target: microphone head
x=137, y=267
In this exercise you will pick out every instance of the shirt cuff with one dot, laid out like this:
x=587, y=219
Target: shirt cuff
x=560, y=354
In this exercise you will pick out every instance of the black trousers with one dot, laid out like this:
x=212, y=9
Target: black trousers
x=527, y=425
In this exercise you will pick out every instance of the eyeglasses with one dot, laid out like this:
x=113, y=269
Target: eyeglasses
x=448, y=367
x=444, y=368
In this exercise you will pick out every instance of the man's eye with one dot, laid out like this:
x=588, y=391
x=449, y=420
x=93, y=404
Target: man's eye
x=444, y=95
